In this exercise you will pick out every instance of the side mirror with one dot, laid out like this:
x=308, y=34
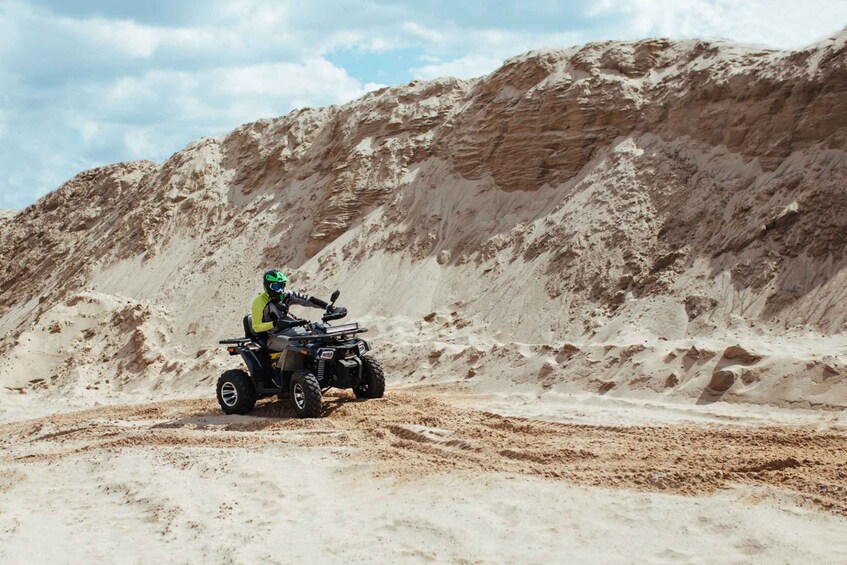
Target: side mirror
x=334, y=296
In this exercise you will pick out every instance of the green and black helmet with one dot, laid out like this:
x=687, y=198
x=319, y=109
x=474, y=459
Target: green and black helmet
x=274, y=282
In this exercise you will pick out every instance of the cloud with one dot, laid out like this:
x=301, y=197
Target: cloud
x=125, y=37
x=151, y=115
x=784, y=24
x=90, y=82
x=138, y=143
x=464, y=67
x=486, y=50
x=227, y=96
x=80, y=93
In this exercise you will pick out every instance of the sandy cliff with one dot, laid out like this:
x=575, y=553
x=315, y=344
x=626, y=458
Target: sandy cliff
x=608, y=218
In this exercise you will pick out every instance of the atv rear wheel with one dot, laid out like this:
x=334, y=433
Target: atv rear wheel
x=236, y=393
x=306, y=395
x=373, y=379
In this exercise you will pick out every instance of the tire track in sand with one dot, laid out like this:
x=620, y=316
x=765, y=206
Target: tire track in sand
x=412, y=434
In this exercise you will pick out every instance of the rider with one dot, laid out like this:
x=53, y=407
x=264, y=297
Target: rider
x=270, y=308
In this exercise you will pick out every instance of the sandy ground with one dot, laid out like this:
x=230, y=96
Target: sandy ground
x=425, y=474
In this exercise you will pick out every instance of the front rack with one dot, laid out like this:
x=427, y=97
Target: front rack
x=319, y=337
x=342, y=329
x=345, y=329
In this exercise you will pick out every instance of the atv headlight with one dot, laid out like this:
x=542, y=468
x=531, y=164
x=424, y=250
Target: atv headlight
x=362, y=348
x=326, y=353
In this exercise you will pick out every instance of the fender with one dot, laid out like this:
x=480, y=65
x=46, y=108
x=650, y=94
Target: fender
x=259, y=371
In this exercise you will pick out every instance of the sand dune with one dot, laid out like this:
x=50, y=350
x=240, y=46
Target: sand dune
x=627, y=194
x=607, y=284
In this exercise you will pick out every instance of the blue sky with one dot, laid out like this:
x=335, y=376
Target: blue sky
x=89, y=82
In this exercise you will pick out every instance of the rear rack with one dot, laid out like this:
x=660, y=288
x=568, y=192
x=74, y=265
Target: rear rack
x=238, y=341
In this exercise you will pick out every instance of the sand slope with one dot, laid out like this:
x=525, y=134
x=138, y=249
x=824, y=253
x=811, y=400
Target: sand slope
x=647, y=193
x=607, y=284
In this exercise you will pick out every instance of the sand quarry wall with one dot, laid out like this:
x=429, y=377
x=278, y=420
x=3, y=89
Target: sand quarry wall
x=530, y=226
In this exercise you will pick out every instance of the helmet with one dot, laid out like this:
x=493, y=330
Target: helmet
x=274, y=282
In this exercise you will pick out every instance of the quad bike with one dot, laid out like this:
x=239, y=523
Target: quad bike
x=300, y=367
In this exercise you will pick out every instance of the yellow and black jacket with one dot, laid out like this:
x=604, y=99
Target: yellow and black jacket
x=265, y=309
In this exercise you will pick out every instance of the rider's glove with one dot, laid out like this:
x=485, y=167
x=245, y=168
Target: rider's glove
x=317, y=302
x=288, y=324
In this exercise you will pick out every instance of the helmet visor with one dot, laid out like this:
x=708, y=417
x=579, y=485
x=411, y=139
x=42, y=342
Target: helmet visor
x=277, y=286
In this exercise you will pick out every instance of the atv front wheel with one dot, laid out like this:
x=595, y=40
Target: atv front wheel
x=236, y=393
x=306, y=395
x=373, y=379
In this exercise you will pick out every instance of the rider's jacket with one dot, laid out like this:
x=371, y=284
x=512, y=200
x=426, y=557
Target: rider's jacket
x=265, y=309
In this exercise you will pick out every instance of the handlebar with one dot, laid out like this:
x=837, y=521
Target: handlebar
x=289, y=325
x=336, y=314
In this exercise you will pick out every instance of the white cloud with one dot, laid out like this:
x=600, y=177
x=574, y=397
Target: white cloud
x=464, y=67
x=123, y=36
x=783, y=24
x=423, y=33
x=139, y=143
x=485, y=49
x=232, y=94
x=88, y=130
x=157, y=106
x=126, y=81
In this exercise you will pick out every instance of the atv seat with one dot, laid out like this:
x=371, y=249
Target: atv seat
x=249, y=333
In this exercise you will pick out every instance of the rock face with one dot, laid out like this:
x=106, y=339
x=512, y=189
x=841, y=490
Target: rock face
x=722, y=380
x=567, y=186
x=738, y=354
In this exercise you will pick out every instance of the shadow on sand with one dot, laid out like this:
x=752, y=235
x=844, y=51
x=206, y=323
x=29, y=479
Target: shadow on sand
x=709, y=396
x=265, y=414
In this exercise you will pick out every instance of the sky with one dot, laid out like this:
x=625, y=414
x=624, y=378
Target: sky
x=85, y=83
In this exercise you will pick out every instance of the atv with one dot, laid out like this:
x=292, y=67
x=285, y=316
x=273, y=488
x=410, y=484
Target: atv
x=300, y=367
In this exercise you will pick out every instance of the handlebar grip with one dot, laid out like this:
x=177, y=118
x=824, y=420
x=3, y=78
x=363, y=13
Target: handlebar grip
x=336, y=315
x=289, y=325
